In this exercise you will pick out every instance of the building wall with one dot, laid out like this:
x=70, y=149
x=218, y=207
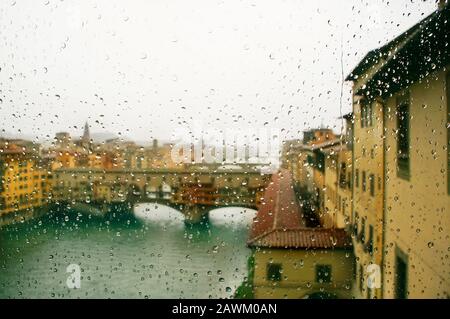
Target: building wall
x=338, y=191
x=307, y=172
x=95, y=160
x=329, y=216
x=367, y=210
x=66, y=159
x=345, y=189
x=299, y=273
x=22, y=186
x=417, y=214
x=319, y=190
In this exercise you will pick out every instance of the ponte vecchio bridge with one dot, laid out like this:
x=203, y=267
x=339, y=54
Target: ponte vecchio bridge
x=194, y=190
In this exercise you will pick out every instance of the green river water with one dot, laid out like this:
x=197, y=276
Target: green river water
x=148, y=254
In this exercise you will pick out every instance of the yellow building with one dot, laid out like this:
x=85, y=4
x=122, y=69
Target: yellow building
x=290, y=158
x=307, y=161
x=401, y=161
x=73, y=186
x=315, y=141
x=66, y=159
x=301, y=270
x=95, y=160
x=318, y=136
x=22, y=185
x=102, y=192
x=338, y=179
x=305, y=171
x=317, y=155
x=368, y=182
x=292, y=260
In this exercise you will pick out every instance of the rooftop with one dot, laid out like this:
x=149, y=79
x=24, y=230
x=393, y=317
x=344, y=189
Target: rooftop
x=323, y=145
x=279, y=222
x=303, y=238
x=406, y=58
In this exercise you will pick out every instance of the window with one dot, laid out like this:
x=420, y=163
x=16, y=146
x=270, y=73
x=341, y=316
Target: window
x=403, y=135
x=366, y=114
x=274, y=272
x=363, y=113
x=361, y=278
x=362, y=233
x=370, y=241
x=369, y=115
x=356, y=177
x=372, y=184
x=323, y=273
x=320, y=161
x=401, y=275
x=364, y=181
x=355, y=225
x=342, y=176
x=216, y=176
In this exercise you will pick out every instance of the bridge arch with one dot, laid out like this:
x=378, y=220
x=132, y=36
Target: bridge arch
x=158, y=213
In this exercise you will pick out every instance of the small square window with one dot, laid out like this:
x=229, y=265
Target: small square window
x=363, y=181
x=274, y=272
x=357, y=177
x=323, y=273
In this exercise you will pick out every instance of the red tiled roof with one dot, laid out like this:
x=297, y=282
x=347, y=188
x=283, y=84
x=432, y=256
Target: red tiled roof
x=279, y=222
x=278, y=197
x=305, y=238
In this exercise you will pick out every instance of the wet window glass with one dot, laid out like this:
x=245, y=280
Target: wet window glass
x=233, y=149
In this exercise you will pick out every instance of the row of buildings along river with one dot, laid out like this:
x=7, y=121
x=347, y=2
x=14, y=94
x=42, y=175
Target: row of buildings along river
x=28, y=170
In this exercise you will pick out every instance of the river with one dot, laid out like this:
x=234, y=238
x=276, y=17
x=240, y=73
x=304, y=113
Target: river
x=150, y=254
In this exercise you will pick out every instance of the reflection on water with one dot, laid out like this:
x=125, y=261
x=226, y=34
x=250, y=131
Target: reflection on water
x=140, y=257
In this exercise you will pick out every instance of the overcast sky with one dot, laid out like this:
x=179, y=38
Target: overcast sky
x=143, y=68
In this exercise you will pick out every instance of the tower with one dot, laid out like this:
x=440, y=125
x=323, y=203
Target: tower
x=86, y=136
